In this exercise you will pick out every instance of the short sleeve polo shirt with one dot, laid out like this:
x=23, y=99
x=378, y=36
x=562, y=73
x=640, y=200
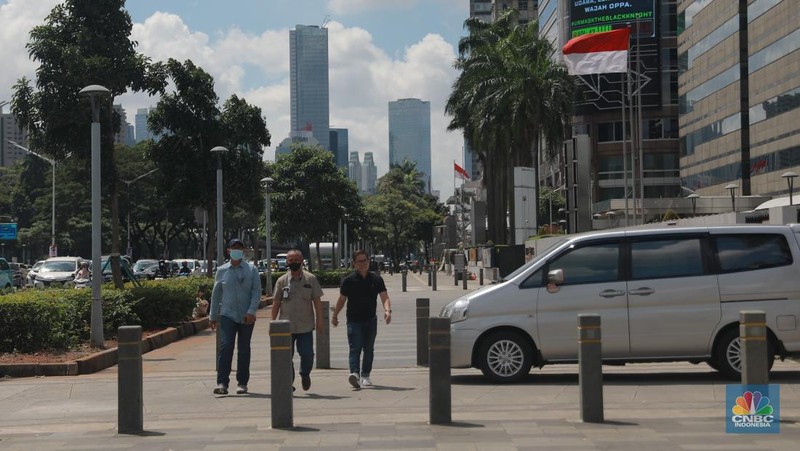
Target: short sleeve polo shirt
x=362, y=295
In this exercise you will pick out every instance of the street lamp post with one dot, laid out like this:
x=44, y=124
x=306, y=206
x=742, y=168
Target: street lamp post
x=732, y=188
x=3, y=103
x=53, y=211
x=267, y=181
x=97, y=96
x=128, y=186
x=693, y=197
x=790, y=176
x=219, y=150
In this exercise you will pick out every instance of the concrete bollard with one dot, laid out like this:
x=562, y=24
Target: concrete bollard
x=323, y=356
x=754, y=349
x=423, y=312
x=281, y=372
x=405, y=277
x=434, y=280
x=430, y=277
x=455, y=277
x=464, y=277
x=130, y=388
x=590, y=368
x=480, y=275
x=439, y=374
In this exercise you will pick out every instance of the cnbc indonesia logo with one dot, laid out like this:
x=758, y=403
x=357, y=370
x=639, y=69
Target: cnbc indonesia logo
x=752, y=410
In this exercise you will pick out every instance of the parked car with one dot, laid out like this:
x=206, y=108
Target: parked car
x=6, y=277
x=31, y=275
x=663, y=294
x=141, y=265
x=281, y=259
x=57, y=272
x=106, y=270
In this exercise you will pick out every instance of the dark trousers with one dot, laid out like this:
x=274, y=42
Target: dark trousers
x=304, y=343
x=228, y=332
x=361, y=337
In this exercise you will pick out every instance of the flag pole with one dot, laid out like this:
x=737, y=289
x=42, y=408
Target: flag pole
x=633, y=135
x=639, y=125
x=625, y=139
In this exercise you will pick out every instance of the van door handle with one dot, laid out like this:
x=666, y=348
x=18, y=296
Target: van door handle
x=644, y=291
x=611, y=293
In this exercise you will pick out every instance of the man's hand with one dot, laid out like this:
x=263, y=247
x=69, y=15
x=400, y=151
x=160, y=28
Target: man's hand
x=249, y=319
x=212, y=324
x=387, y=316
x=335, y=321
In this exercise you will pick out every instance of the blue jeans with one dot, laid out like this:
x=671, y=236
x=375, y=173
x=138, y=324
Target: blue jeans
x=228, y=331
x=305, y=347
x=361, y=337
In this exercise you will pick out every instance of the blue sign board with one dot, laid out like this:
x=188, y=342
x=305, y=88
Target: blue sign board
x=8, y=231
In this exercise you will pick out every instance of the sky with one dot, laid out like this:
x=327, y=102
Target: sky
x=379, y=51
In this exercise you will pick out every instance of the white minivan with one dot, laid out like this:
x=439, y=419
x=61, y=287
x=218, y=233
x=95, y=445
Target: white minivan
x=663, y=294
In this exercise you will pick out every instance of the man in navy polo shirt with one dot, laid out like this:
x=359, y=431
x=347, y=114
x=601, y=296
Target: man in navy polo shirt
x=360, y=290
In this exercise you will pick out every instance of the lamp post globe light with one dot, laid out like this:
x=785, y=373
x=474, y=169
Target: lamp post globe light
x=219, y=150
x=267, y=182
x=790, y=176
x=693, y=197
x=53, y=211
x=732, y=188
x=98, y=95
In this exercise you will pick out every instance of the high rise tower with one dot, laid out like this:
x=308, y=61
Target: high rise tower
x=308, y=73
x=410, y=135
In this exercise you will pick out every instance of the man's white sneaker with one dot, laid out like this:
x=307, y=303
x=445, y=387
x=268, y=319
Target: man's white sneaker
x=365, y=382
x=241, y=390
x=354, y=380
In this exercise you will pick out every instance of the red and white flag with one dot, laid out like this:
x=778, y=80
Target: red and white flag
x=460, y=171
x=598, y=53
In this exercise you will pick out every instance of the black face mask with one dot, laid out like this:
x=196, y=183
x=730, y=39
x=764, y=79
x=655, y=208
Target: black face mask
x=295, y=266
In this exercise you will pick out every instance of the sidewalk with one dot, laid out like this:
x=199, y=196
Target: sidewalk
x=653, y=406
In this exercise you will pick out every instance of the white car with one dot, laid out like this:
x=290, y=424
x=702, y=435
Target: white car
x=58, y=272
x=30, y=277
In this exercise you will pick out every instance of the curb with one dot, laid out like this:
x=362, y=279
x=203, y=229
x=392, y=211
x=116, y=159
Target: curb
x=103, y=359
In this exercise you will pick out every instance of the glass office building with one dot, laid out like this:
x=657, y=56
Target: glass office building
x=308, y=77
x=410, y=135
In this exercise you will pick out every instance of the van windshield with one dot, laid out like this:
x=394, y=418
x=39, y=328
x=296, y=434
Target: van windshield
x=533, y=261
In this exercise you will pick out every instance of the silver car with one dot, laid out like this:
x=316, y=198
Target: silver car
x=663, y=294
x=58, y=272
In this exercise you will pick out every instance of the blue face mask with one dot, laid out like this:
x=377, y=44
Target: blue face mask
x=237, y=254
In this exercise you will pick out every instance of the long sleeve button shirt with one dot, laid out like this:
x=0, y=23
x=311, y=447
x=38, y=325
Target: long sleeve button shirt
x=237, y=292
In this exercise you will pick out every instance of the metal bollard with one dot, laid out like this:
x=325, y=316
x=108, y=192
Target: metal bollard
x=439, y=374
x=281, y=372
x=130, y=388
x=423, y=312
x=430, y=277
x=434, y=280
x=754, y=349
x=455, y=278
x=480, y=272
x=323, y=356
x=405, y=276
x=464, y=277
x=590, y=368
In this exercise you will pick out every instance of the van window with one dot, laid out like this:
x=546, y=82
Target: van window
x=658, y=259
x=747, y=252
x=590, y=264
x=533, y=281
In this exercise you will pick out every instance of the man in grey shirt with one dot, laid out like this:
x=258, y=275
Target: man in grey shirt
x=234, y=302
x=297, y=298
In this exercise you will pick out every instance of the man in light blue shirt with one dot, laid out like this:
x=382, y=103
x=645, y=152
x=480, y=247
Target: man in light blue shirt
x=234, y=301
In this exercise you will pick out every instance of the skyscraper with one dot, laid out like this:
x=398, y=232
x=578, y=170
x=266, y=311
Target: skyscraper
x=339, y=146
x=410, y=135
x=308, y=78
x=370, y=174
x=354, y=170
x=142, y=133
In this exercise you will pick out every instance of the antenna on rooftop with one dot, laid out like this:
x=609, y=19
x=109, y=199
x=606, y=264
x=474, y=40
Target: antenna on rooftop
x=325, y=21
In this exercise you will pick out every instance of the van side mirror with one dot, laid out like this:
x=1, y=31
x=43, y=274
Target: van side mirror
x=555, y=277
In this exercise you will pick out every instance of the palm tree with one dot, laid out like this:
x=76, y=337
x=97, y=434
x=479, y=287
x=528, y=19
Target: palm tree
x=510, y=99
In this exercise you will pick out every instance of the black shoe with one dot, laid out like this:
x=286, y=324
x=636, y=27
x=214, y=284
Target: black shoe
x=306, y=382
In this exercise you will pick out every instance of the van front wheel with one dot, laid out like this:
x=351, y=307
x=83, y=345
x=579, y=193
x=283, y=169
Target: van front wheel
x=505, y=357
x=728, y=354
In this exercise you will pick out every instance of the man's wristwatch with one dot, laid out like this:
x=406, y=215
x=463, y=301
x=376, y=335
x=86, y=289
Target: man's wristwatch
x=389, y=311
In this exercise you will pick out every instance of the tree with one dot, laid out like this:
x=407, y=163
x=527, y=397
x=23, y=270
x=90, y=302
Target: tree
x=82, y=43
x=510, y=98
x=190, y=124
x=310, y=195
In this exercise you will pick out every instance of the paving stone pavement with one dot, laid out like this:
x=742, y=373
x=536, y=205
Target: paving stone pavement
x=647, y=406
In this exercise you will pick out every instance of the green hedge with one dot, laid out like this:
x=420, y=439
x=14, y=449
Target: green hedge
x=60, y=318
x=327, y=278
